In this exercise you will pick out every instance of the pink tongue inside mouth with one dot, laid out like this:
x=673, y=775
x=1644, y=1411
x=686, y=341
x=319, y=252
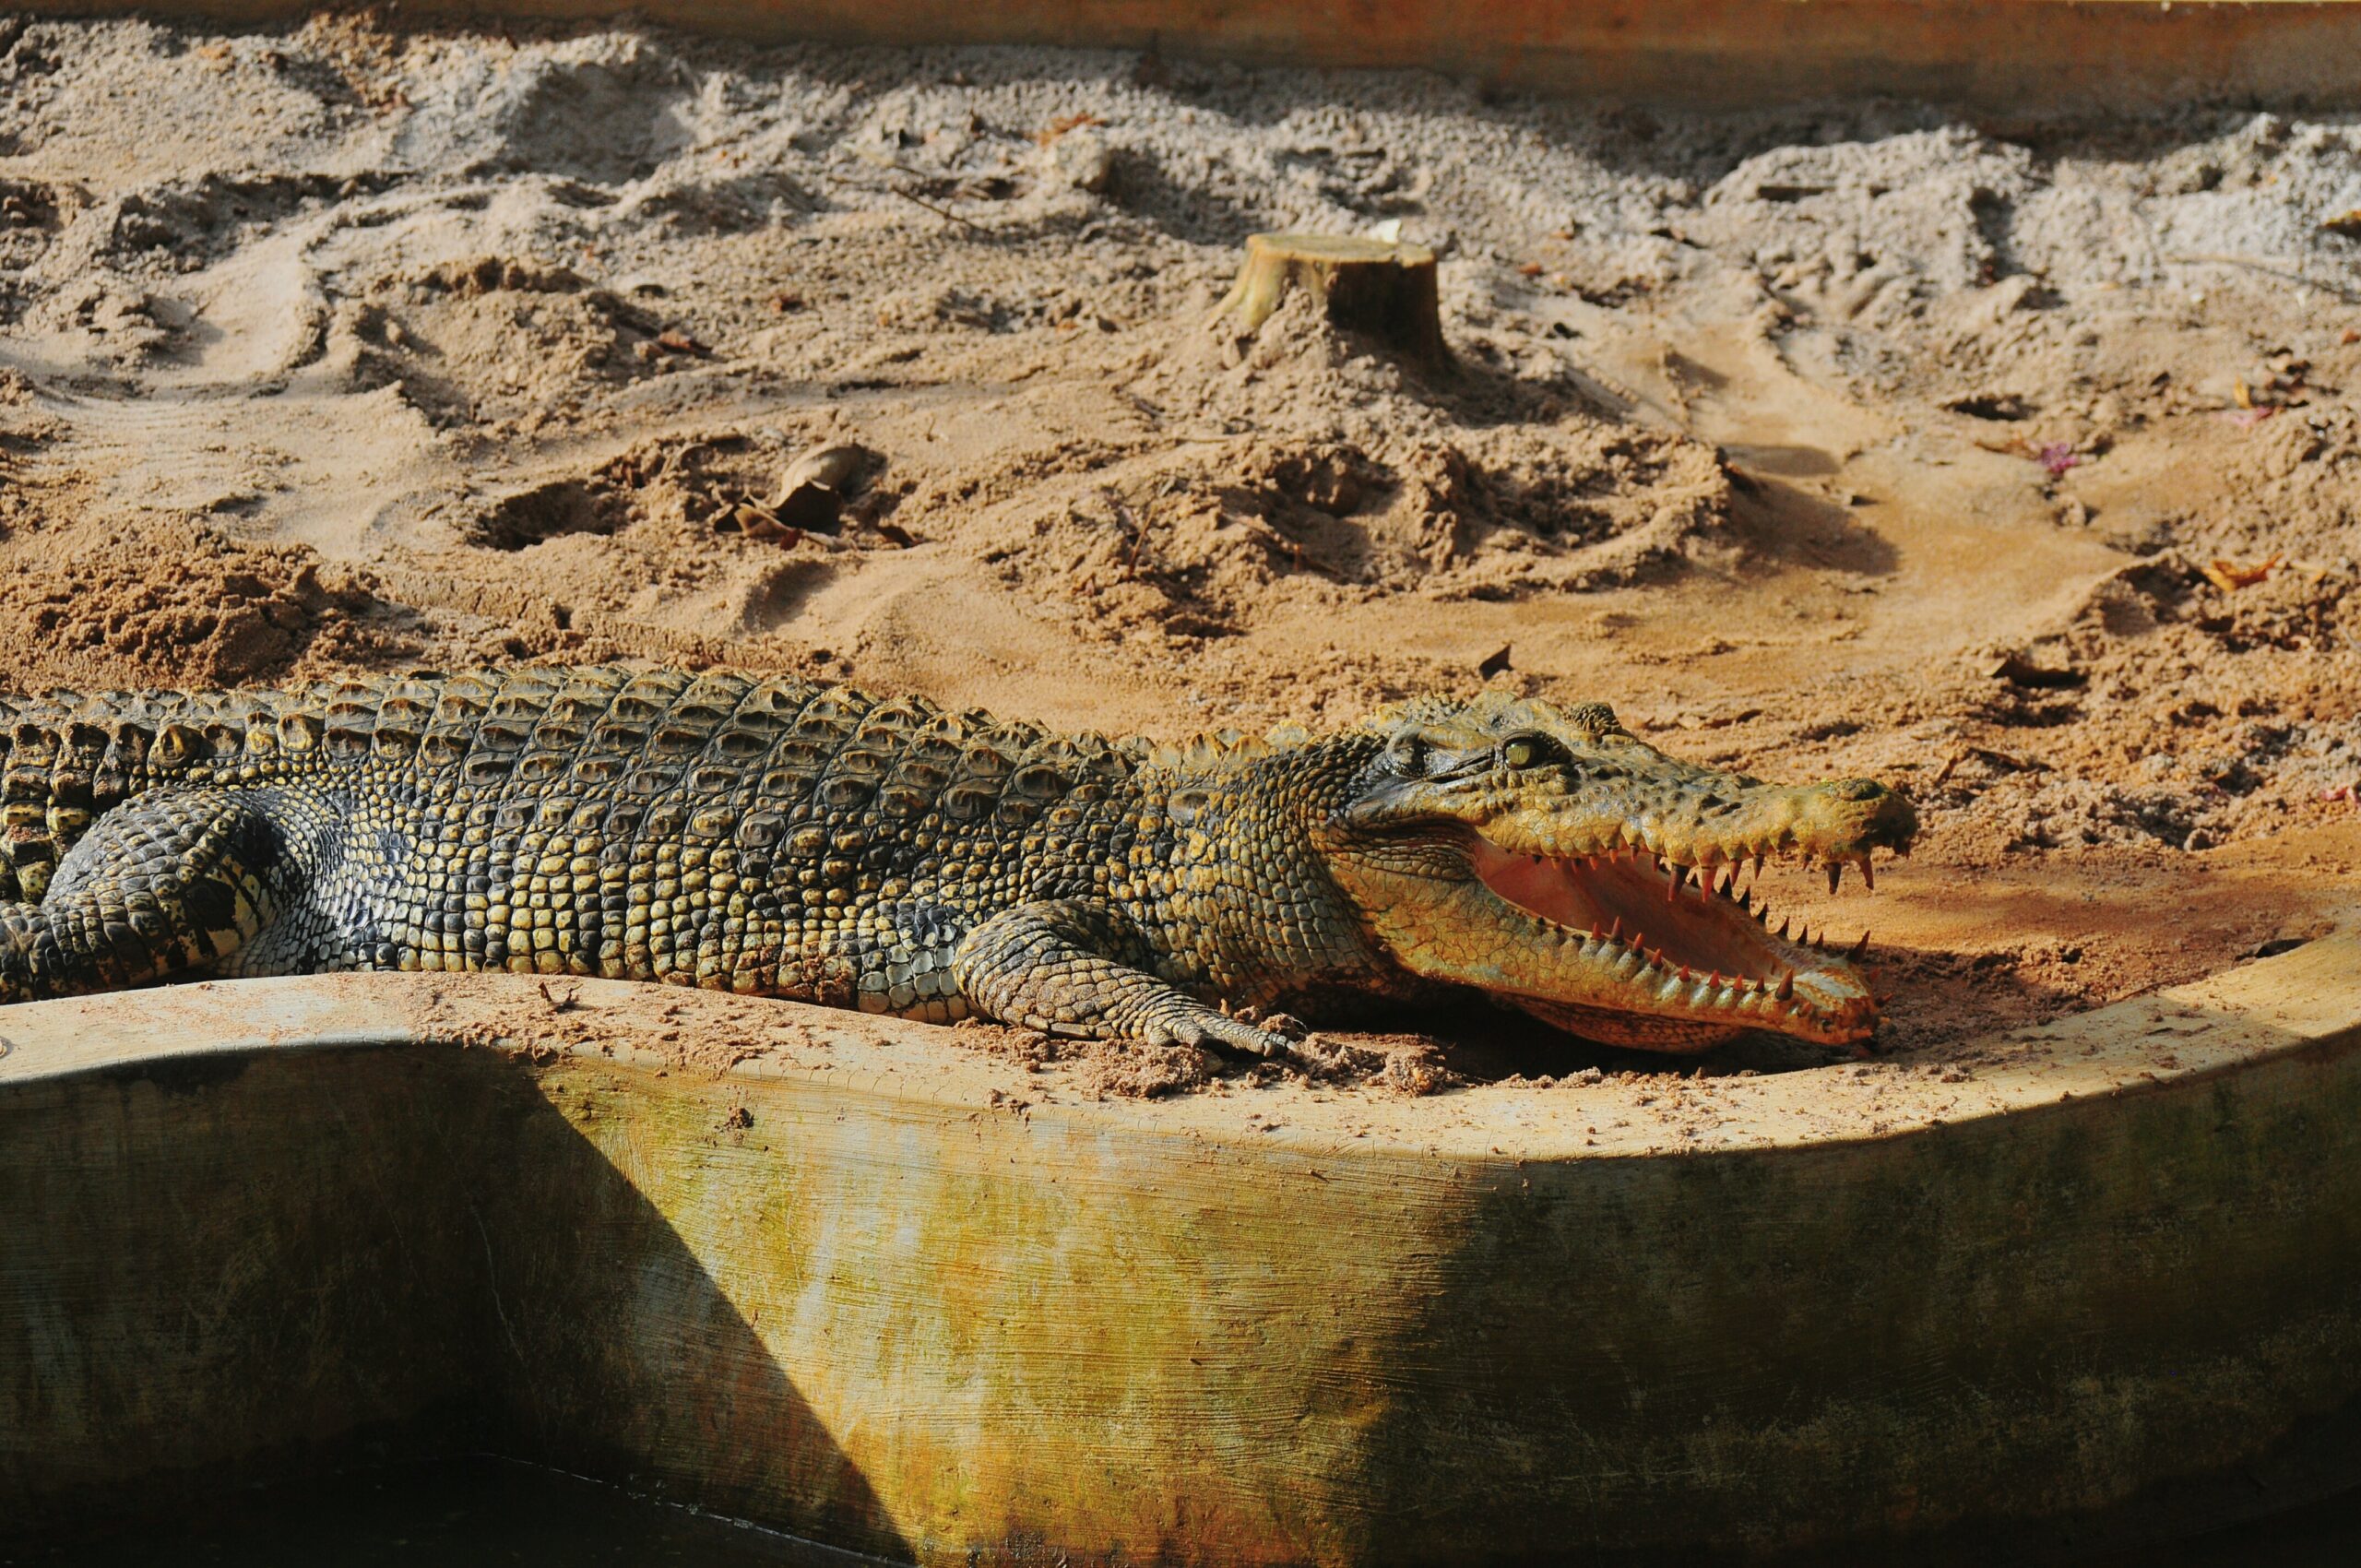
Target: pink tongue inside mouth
x=1546, y=889
x=1695, y=929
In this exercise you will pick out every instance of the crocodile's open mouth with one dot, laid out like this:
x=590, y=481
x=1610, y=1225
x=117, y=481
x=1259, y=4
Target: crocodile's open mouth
x=1685, y=941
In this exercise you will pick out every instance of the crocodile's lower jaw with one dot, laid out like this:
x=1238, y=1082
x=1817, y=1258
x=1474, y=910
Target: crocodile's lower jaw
x=1671, y=958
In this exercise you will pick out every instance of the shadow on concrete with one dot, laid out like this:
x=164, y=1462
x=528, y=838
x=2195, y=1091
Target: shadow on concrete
x=1956, y=1336
x=229, y=1270
x=473, y=1512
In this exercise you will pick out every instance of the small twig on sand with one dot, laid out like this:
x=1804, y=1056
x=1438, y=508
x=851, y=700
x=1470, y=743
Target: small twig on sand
x=916, y=200
x=1992, y=758
x=910, y=197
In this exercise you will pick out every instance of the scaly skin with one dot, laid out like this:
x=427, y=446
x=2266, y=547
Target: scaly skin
x=782, y=838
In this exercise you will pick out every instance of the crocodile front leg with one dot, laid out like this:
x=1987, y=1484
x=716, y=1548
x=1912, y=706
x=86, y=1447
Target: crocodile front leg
x=1057, y=966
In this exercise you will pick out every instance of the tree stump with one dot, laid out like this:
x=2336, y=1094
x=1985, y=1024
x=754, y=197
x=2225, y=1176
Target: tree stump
x=1382, y=288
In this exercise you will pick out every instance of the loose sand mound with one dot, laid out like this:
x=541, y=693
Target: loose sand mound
x=1861, y=440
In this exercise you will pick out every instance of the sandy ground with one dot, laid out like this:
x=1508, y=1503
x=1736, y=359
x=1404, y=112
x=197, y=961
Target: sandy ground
x=1857, y=441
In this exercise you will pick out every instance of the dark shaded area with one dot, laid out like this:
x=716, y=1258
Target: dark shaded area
x=2043, y=1394
x=469, y=1513
x=561, y=506
x=2326, y=1534
x=1780, y=522
x=489, y=1512
x=1474, y=1040
x=340, y=1278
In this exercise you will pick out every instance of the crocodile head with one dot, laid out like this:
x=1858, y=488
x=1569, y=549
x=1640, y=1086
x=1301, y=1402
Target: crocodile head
x=1549, y=858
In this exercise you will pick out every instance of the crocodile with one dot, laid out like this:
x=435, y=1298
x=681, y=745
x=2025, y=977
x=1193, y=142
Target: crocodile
x=789, y=838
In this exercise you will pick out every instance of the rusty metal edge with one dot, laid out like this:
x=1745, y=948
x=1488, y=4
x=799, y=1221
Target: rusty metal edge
x=2036, y=56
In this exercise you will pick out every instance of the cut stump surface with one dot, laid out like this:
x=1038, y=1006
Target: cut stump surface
x=1382, y=288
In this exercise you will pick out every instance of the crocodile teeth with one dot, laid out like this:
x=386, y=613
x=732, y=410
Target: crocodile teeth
x=1835, y=874
x=1858, y=948
x=1868, y=877
x=1722, y=955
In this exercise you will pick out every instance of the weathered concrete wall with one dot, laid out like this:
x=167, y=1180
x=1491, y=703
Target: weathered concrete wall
x=867, y=1286
x=210, y=1266
x=2003, y=55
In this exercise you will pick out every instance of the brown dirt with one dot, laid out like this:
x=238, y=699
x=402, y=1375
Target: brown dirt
x=1857, y=441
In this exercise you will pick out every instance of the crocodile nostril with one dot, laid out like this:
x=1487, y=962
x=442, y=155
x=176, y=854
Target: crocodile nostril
x=1859, y=789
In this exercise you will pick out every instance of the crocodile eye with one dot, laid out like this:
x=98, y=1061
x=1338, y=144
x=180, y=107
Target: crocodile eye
x=1530, y=751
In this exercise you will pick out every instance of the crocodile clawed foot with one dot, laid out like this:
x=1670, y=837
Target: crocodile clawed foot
x=1209, y=1030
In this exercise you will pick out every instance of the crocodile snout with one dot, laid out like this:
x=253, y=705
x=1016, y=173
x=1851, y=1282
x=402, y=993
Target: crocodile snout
x=1877, y=817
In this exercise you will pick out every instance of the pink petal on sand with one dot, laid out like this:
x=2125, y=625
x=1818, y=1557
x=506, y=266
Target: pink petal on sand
x=2058, y=458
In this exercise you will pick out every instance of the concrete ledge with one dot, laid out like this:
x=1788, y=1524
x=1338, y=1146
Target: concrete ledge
x=869, y=1286
x=2016, y=56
